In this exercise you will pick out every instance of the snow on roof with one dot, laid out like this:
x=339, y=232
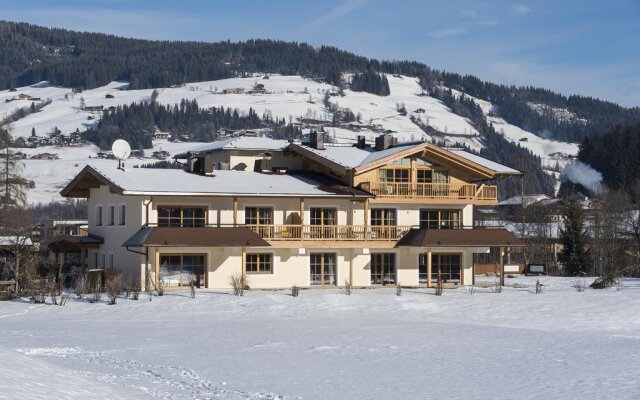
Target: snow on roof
x=499, y=168
x=176, y=182
x=13, y=240
x=241, y=143
x=352, y=156
x=526, y=200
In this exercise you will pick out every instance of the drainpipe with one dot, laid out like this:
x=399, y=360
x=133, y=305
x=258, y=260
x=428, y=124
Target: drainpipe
x=147, y=278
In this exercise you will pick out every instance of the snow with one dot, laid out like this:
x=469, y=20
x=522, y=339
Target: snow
x=499, y=168
x=151, y=181
x=51, y=176
x=243, y=143
x=560, y=344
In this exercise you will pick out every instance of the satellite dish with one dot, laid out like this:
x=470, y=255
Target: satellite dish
x=121, y=150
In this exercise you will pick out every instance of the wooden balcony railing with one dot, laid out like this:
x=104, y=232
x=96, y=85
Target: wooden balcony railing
x=437, y=191
x=329, y=232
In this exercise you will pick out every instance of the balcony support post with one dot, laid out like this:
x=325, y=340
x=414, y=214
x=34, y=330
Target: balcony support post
x=428, y=267
x=235, y=211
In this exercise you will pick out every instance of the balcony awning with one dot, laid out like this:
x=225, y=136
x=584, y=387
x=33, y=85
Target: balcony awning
x=499, y=237
x=195, y=237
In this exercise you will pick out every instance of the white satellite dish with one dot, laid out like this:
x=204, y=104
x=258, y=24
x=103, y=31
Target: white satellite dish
x=121, y=150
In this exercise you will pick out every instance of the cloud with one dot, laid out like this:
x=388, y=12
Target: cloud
x=447, y=32
x=520, y=9
x=338, y=12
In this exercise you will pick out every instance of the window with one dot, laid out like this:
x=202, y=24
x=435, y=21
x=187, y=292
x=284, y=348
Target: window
x=110, y=260
x=102, y=260
x=122, y=214
x=182, y=216
x=439, y=219
x=383, y=268
x=111, y=216
x=423, y=273
x=322, y=269
x=259, y=264
x=394, y=175
x=95, y=260
x=99, y=216
x=323, y=222
x=322, y=216
x=258, y=216
x=260, y=219
x=383, y=222
x=180, y=269
x=448, y=265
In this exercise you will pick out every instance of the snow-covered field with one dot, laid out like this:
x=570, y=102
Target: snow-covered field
x=560, y=344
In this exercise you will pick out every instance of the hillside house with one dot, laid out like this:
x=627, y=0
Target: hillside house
x=233, y=91
x=305, y=214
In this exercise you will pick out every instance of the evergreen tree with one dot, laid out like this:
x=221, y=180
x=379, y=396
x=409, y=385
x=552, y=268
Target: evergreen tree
x=573, y=238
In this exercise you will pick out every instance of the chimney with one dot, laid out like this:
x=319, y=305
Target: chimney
x=317, y=140
x=361, y=142
x=385, y=141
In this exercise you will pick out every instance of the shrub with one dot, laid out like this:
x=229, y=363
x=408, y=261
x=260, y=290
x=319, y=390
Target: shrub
x=580, y=285
x=96, y=279
x=472, y=289
x=81, y=286
x=348, y=286
x=239, y=282
x=96, y=295
x=398, y=289
x=192, y=288
x=113, y=288
x=295, y=291
x=604, y=282
x=538, y=286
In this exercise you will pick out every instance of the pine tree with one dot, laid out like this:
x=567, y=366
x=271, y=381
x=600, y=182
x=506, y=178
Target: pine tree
x=12, y=190
x=573, y=238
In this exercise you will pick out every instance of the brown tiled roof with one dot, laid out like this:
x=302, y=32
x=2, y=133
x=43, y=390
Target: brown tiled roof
x=195, y=237
x=460, y=238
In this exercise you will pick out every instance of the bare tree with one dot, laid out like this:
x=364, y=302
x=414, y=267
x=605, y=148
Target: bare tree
x=13, y=189
x=16, y=229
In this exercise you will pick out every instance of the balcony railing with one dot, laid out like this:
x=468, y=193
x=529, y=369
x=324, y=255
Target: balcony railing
x=329, y=232
x=437, y=191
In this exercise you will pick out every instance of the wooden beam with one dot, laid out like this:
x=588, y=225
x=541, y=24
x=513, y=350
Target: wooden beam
x=366, y=213
x=301, y=211
x=235, y=211
x=429, y=268
x=501, y=266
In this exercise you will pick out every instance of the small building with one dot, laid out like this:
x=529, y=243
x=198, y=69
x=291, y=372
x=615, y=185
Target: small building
x=236, y=90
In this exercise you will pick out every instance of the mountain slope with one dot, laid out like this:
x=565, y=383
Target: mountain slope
x=30, y=54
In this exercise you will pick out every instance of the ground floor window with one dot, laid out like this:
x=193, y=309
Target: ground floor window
x=383, y=268
x=259, y=264
x=323, y=269
x=449, y=265
x=180, y=269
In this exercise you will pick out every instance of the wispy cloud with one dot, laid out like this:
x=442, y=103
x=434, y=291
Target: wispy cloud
x=447, y=32
x=338, y=12
x=520, y=9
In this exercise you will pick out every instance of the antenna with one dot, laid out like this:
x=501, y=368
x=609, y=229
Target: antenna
x=121, y=150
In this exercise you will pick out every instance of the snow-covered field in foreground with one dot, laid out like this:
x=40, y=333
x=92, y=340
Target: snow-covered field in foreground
x=561, y=344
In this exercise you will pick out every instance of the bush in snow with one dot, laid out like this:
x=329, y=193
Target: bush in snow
x=538, y=287
x=580, y=285
x=239, y=282
x=348, y=287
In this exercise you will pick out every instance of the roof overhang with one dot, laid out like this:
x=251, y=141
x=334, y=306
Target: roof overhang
x=491, y=237
x=435, y=154
x=86, y=180
x=195, y=237
x=296, y=148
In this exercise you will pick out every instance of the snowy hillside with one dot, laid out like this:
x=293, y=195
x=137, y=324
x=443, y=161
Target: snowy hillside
x=293, y=98
x=560, y=344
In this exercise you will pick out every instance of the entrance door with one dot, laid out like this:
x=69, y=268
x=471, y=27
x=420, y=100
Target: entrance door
x=383, y=269
x=323, y=269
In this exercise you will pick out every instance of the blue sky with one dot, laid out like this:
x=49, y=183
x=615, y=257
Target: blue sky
x=571, y=46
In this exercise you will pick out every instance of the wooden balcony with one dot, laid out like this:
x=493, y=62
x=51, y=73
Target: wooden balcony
x=434, y=191
x=329, y=232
